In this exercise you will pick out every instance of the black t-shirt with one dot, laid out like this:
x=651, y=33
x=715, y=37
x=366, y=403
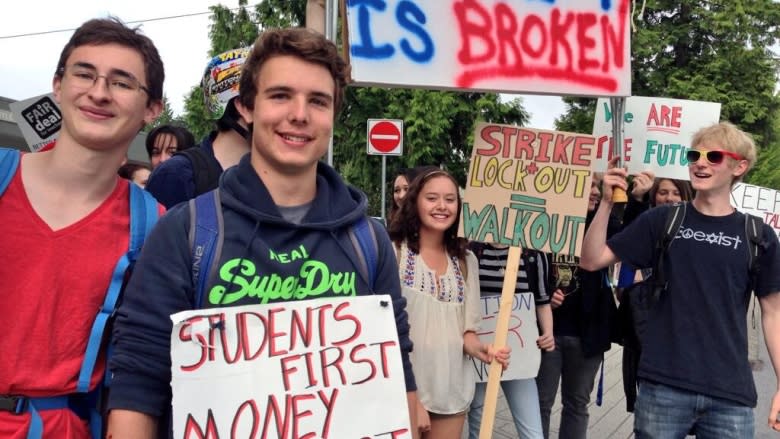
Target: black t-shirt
x=697, y=333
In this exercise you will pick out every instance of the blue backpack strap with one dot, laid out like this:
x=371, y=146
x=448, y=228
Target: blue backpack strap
x=9, y=161
x=362, y=233
x=206, y=239
x=143, y=216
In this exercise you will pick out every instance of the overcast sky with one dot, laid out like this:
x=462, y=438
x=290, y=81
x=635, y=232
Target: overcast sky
x=27, y=63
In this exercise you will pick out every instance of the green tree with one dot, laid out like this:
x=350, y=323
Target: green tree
x=579, y=115
x=166, y=116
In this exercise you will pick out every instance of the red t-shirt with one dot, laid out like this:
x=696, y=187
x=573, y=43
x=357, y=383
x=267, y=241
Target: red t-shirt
x=52, y=284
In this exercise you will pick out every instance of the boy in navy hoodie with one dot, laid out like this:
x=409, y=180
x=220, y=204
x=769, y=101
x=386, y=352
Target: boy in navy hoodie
x=279, y=198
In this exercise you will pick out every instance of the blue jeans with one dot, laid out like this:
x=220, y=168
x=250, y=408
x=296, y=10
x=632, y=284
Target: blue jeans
x=568, y=365
x=523, y=400
x=667, y=412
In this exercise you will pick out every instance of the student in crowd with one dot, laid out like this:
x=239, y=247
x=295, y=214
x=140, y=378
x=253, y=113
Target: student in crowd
x=585, y=325
x=694, y=373
x=648, y=191
x=65, y=223
x=440, y=281
x=137, y=172
x=401, y=187
x=197, y=170
x=533, y=276
x=166, y=140
x=279, y=198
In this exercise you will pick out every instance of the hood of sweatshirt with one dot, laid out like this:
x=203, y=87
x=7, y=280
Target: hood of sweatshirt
x=335, y=205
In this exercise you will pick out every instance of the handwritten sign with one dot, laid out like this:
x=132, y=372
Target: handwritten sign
x=523, y=333
x=528, y=188
x=577, y=47
x=759, y=201
x=39, y=119
x=657, y=133
x=289, y=370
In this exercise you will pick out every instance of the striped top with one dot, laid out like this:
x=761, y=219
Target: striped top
x=532, y=274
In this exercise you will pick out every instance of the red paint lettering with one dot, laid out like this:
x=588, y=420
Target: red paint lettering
x=584, y=48
x=191, y=427
x=255, y=414
x=336, y=362
x=350, y=317
x=486, y=135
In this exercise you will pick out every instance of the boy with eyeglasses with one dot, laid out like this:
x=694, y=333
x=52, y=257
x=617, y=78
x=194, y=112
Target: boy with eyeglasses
x=65, y=223
x=694, y=374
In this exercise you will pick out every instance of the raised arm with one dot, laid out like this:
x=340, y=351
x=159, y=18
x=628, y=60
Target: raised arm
x=595, y=253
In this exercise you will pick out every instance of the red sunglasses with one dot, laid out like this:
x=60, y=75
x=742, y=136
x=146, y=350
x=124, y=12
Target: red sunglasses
x=715, y=157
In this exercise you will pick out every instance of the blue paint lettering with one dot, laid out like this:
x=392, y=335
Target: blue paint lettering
x=405, y=12
x=367, y=49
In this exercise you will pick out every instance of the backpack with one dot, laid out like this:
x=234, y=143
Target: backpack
x=207, y=232
x=86, y=403
x=639, y=299
x=205, y=169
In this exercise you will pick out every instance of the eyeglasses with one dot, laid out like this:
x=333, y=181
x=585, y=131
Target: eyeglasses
x=714, y=156
x=86, y=77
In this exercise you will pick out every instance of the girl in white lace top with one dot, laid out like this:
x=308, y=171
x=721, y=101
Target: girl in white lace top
x=440, y=281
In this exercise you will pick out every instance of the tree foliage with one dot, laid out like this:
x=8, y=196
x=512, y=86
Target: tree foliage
x=438, y=125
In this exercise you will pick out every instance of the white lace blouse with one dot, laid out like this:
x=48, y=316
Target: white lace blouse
x=440, y=311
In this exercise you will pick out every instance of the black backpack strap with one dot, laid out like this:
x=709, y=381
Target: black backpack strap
x=674, y=219
x=205, y=169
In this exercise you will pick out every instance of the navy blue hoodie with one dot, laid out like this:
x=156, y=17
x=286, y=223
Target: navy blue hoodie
x=260, y=249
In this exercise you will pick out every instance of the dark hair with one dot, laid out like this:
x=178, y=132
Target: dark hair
x=405, y=226
x=127, y=170
x=102, y=31
x=684, y=186
x=305, y=44
x=183, y=136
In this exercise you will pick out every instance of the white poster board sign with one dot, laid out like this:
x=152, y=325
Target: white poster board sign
x=522, y=336
x=576, y=47
x=301, y=369
x=39, y=118
x=759, y=201
x=657, y=133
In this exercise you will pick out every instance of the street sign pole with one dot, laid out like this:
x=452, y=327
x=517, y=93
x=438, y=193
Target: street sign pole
x=384, y=186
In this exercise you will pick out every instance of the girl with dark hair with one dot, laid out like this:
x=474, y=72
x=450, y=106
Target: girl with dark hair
x=440, y=281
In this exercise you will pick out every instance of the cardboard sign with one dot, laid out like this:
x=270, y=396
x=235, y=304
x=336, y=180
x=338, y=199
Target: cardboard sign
x=759, y=201
x=577, y=47
x=657, y=133
x=289, y=370
x=523, y=333
x=528, y=188
x=39, y=118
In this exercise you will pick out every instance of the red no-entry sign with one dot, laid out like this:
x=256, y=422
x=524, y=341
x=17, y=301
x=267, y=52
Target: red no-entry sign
x=385, y=136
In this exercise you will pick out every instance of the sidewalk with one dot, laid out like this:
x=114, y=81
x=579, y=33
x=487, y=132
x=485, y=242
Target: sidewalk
x=611, y=420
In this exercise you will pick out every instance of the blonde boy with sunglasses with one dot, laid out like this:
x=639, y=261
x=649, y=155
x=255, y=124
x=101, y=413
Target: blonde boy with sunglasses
x=694, y=374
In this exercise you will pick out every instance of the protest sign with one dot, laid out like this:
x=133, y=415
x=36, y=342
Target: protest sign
x=657, y=133
x=576, y=47
x=39, y=118
x=759, y=201
x=300, y=369
x=528, y=188
x=522, y=337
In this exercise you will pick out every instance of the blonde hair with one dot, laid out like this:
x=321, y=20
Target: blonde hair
x=727, y=136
